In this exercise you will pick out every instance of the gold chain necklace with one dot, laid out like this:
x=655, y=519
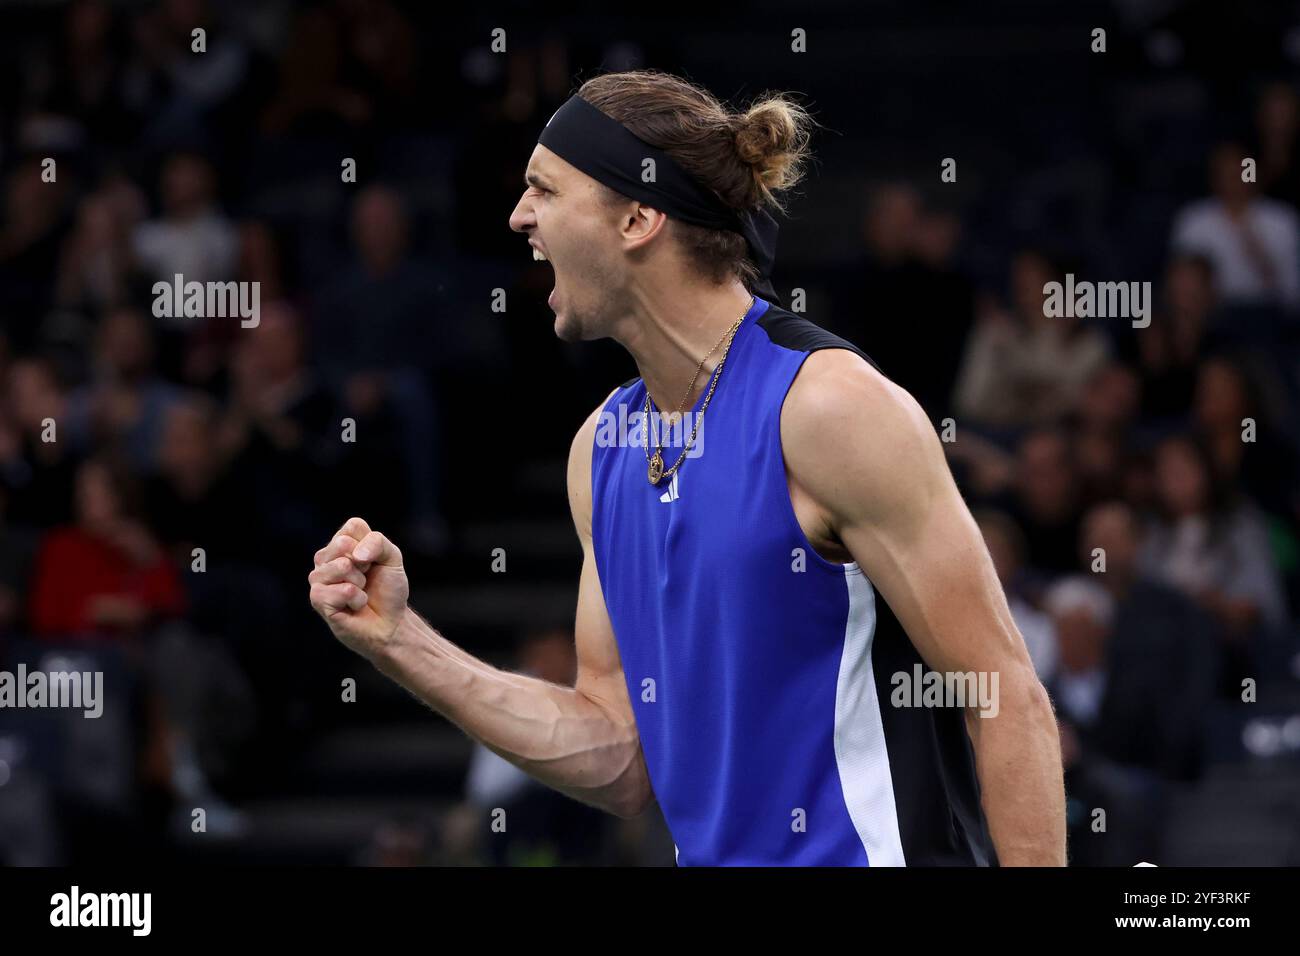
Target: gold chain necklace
x=655, y=470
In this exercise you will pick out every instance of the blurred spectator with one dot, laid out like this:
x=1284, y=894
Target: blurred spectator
x=261, y=260
x=1168, y=350
x=192, y=237
x=1039, y=487
x=38, y=470
x=346, y=64
x=1007, y=548
x=383, y=302
x=198, y=500
x=312, y=86
x=1134, y=682
x=1159, y=649
x=1046, y=499
x=79, y=75
x=97, y=269
x=174, y=92
x=205, y=717
x=209, y=347
x=1252, y=241
x=1226, y=411
x=274, y=395
x=1102, y=432
x=1081, y=613
x=909, y=272
x=280, y=430
x=107, y=577
x=1277, y=143
x=35, y=221
x=192, y=495
x=1023, y=367
x=123, y=406
x=106, y=574
x=1212, y=547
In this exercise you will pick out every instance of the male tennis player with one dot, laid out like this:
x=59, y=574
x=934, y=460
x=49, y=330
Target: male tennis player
x=757, y=612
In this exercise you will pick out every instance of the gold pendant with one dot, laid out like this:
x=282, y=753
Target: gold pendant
x=656, y=469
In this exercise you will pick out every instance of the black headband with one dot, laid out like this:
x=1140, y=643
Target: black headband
x=612, y=154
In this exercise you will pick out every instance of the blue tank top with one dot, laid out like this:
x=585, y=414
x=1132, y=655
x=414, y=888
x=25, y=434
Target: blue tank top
x=758, y=671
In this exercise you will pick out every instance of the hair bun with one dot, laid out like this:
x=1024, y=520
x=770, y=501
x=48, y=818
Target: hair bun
x=772, y=140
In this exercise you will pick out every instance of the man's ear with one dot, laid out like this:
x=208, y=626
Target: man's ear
x=643, y=223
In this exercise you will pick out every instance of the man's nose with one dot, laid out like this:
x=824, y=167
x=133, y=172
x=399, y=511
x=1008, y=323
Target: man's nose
x=521, y=220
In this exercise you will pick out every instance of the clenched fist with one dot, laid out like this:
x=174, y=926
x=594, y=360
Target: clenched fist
x=359, y=587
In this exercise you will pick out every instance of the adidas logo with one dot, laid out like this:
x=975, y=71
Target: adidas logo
x=671, y=494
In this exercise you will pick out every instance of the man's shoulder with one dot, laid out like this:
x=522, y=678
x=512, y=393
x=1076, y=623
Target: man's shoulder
x=844, y=424
x=582, y=441
x=579, y=467
x=835, y=382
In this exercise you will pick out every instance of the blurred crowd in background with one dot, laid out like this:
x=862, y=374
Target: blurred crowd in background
x=164, y=535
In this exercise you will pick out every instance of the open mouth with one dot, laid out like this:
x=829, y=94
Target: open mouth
x=540, y=256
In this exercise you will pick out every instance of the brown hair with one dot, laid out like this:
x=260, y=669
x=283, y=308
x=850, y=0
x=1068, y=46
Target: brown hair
x=747, y=157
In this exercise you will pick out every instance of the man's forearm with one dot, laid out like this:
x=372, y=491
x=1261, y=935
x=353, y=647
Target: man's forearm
x=1022, y=784
x=557, y=734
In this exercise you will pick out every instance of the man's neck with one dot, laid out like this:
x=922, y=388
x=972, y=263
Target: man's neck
x=671, y=329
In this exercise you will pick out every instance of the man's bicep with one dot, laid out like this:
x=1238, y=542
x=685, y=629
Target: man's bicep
x=600, y=671
x=935, y=572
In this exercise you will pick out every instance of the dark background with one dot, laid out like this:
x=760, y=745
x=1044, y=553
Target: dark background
x=226, y=691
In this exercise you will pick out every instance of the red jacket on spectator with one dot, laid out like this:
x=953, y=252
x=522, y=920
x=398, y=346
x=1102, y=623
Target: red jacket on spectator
x=75, y=569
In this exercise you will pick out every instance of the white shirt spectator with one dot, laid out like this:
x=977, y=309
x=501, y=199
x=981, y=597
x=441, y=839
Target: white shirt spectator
x=1235, y=559
x=202, y=249
x=1256, y=260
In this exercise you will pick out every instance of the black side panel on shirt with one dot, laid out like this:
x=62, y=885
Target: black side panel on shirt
x=936, y=790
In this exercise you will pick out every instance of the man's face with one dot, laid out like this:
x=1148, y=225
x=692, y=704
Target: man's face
x=186, y=186
x=1114, y=530
x=97, y=505
x=566, y=216
x=1046, y=472
x=379, y=228
x=1081, y=639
